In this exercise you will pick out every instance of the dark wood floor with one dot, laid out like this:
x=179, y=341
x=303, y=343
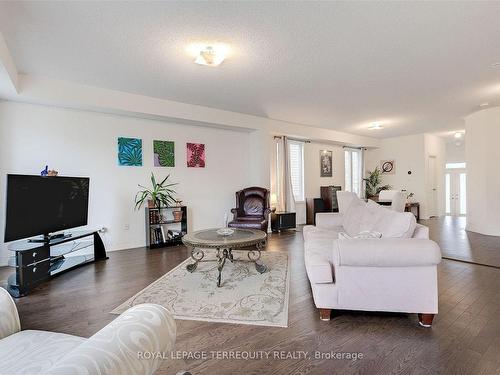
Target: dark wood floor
x=457, y=243
x=465, y=338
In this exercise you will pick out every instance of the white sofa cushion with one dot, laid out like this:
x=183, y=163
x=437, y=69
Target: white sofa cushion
x=344, y=199
x=311, y=232
x=34, y=352
x=362, y=217
x=388, y=252
x=318, y=260
x=390, y=223
x=329, y=219
x=353, y=217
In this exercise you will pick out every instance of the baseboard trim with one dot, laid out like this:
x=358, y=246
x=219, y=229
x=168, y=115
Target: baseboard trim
x=471, y=262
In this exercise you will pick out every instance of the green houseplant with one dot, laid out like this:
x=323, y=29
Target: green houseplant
x=373, y=183
x=161, y=193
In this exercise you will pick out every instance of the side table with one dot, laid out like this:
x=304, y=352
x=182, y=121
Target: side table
x=283, y=220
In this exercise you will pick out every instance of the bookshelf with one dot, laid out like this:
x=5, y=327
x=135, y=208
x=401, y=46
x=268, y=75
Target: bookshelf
x=162, y=230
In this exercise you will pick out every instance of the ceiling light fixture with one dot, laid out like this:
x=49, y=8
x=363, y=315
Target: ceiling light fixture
x=484, y=104
x=496, y=64
x=375, y=126
x=209, y=55
x=458, y=135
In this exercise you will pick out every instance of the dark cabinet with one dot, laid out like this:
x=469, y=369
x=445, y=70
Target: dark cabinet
x=313, y=206
x=329, y=196
x=282, y=220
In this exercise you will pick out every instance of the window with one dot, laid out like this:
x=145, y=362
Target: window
x=353, y=171
x=455, y=165
x=297, y=169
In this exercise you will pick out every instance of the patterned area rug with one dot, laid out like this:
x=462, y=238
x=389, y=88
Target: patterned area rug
x=245, y=296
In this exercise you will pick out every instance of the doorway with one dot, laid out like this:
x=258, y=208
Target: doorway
x=432, y=193
x=455, y=190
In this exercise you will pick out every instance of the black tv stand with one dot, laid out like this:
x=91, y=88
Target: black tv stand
x=50, y=237
x=36, y=261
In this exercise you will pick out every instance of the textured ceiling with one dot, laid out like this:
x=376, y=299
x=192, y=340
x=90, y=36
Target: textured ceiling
x=414, y=66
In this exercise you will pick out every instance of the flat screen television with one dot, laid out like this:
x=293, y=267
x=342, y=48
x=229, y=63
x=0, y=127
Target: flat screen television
x=39, y=205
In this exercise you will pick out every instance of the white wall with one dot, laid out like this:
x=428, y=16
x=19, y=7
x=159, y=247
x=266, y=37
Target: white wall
x=454, y=153
x=410, y=154
x=483, y=180
x=78, y=143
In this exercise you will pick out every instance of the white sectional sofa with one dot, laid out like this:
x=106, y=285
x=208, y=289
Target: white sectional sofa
x=397, y=272
x=127, y=345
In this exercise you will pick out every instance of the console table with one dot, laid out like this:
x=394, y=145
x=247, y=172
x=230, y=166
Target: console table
x=414, y=208
x=36, y=262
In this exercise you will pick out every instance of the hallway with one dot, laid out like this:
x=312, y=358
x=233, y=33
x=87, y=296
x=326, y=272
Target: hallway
x=457, y=243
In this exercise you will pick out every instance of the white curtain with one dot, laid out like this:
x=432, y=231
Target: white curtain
x=281, y=183
x=289, y=198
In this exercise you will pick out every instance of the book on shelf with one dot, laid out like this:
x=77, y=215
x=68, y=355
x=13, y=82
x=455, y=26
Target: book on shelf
x=162, y=234
x=154, y=217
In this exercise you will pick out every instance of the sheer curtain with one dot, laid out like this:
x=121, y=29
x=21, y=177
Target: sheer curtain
x=281, y=183
x=290, y=199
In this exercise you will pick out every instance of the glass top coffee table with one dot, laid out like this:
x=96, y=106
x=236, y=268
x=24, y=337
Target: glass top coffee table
x=250, y=240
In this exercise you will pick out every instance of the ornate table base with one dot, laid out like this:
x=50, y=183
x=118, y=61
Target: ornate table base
x=224, y=253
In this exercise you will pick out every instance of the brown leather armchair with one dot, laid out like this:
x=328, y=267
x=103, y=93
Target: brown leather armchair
x=252, y=209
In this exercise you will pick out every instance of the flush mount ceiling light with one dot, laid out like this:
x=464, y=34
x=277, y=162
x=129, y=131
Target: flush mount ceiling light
x=209, y=54
x=458, y=135
x=496, y=64
x=484, y=104
x=375, y=126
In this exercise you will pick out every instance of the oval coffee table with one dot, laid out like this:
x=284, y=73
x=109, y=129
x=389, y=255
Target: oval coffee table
x=250, y=240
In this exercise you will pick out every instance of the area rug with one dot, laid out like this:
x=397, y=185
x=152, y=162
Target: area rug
x=244, y=297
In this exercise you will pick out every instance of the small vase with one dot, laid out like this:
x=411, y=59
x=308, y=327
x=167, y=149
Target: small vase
x=177, y=215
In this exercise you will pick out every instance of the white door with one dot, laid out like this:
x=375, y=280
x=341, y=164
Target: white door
x=432, y=187
x=455, y=190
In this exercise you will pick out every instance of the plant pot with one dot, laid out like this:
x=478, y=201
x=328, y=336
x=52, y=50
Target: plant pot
x=151, y=203
x=177, y=215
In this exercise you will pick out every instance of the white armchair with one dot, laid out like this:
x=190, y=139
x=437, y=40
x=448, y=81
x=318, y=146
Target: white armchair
x=387, y=195
x=397, y=272
x=114, y=350
x=399, y=201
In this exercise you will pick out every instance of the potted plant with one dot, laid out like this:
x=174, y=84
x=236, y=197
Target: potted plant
x=373, y=183
x=161, y=194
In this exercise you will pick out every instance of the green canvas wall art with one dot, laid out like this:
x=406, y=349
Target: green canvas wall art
x=164, y=153
x=129, y=152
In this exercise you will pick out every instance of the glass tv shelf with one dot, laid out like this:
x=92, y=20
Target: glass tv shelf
x=35, y=262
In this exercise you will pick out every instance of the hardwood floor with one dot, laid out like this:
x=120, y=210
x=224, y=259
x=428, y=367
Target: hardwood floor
x=457, y=243
x=465, y=338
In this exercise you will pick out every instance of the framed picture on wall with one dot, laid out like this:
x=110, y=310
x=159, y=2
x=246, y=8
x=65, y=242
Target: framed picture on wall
x=325, y=163
x=195, y=155
x=388, y=166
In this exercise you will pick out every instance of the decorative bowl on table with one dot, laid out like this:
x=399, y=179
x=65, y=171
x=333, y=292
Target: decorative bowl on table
x=225, y=231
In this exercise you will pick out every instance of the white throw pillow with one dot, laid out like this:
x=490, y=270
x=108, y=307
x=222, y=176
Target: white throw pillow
x=353, y=217
x=390, y=223
x=344, y=199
